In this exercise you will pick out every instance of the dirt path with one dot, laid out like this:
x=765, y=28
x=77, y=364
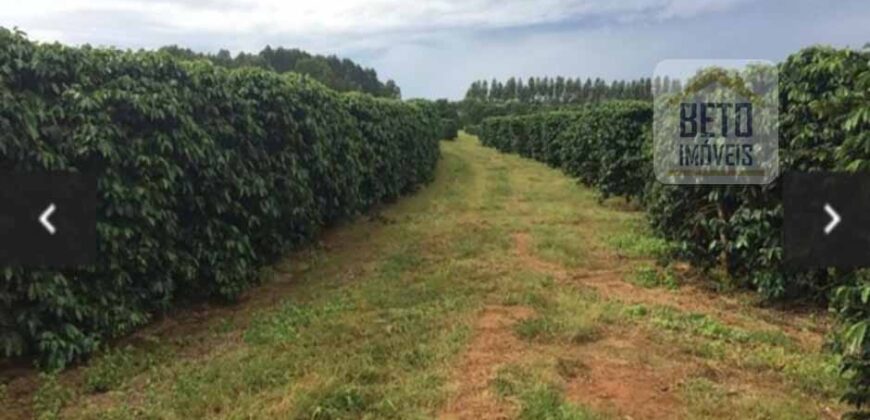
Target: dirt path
x=625, y=372
x=503, y=290
x=493, y=345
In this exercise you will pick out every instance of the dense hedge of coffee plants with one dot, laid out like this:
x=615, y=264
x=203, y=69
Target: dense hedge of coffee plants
x=451, y=128
x=473, y=111
x=738, y=228
x=388, y=128
x=824, y=124
x=204, y=175
x=602, y=145
x=449, y=113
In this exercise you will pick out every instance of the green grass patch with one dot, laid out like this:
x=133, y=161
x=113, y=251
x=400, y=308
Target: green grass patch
x=706, y=399
x=814, y=374
x=337, y=401
x=537, y=398
x=708, y=327
x=652, y=277
x=640, y=244
x=110, y=370
x=564, y=314
x=50, y=397
x=559, y=245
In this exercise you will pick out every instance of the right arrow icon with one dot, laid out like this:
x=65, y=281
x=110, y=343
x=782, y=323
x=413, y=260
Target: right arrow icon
x=835, y=219
x=825, y=220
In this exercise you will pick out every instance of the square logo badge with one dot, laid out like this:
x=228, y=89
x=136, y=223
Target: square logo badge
x=716, y=122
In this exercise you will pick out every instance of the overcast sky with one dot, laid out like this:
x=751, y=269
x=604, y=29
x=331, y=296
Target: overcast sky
x=435, y=48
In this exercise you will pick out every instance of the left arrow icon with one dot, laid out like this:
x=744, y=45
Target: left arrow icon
x=43, y=219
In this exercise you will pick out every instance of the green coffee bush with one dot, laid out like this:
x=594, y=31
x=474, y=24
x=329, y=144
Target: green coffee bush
x=605, y=146
x=204, y=175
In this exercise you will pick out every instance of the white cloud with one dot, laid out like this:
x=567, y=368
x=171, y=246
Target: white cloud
x=436, y=47
x=326, y=17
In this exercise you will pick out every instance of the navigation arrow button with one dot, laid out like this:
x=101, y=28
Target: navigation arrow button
x=835, y=219
x=43, y=219
x=48, y=220
x=825, y=220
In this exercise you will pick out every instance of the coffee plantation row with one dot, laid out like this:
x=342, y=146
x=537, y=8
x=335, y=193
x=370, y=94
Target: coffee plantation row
x=824, y=125
x=204, y=175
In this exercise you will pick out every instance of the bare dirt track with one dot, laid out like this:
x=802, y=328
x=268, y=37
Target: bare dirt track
x=493, y=345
